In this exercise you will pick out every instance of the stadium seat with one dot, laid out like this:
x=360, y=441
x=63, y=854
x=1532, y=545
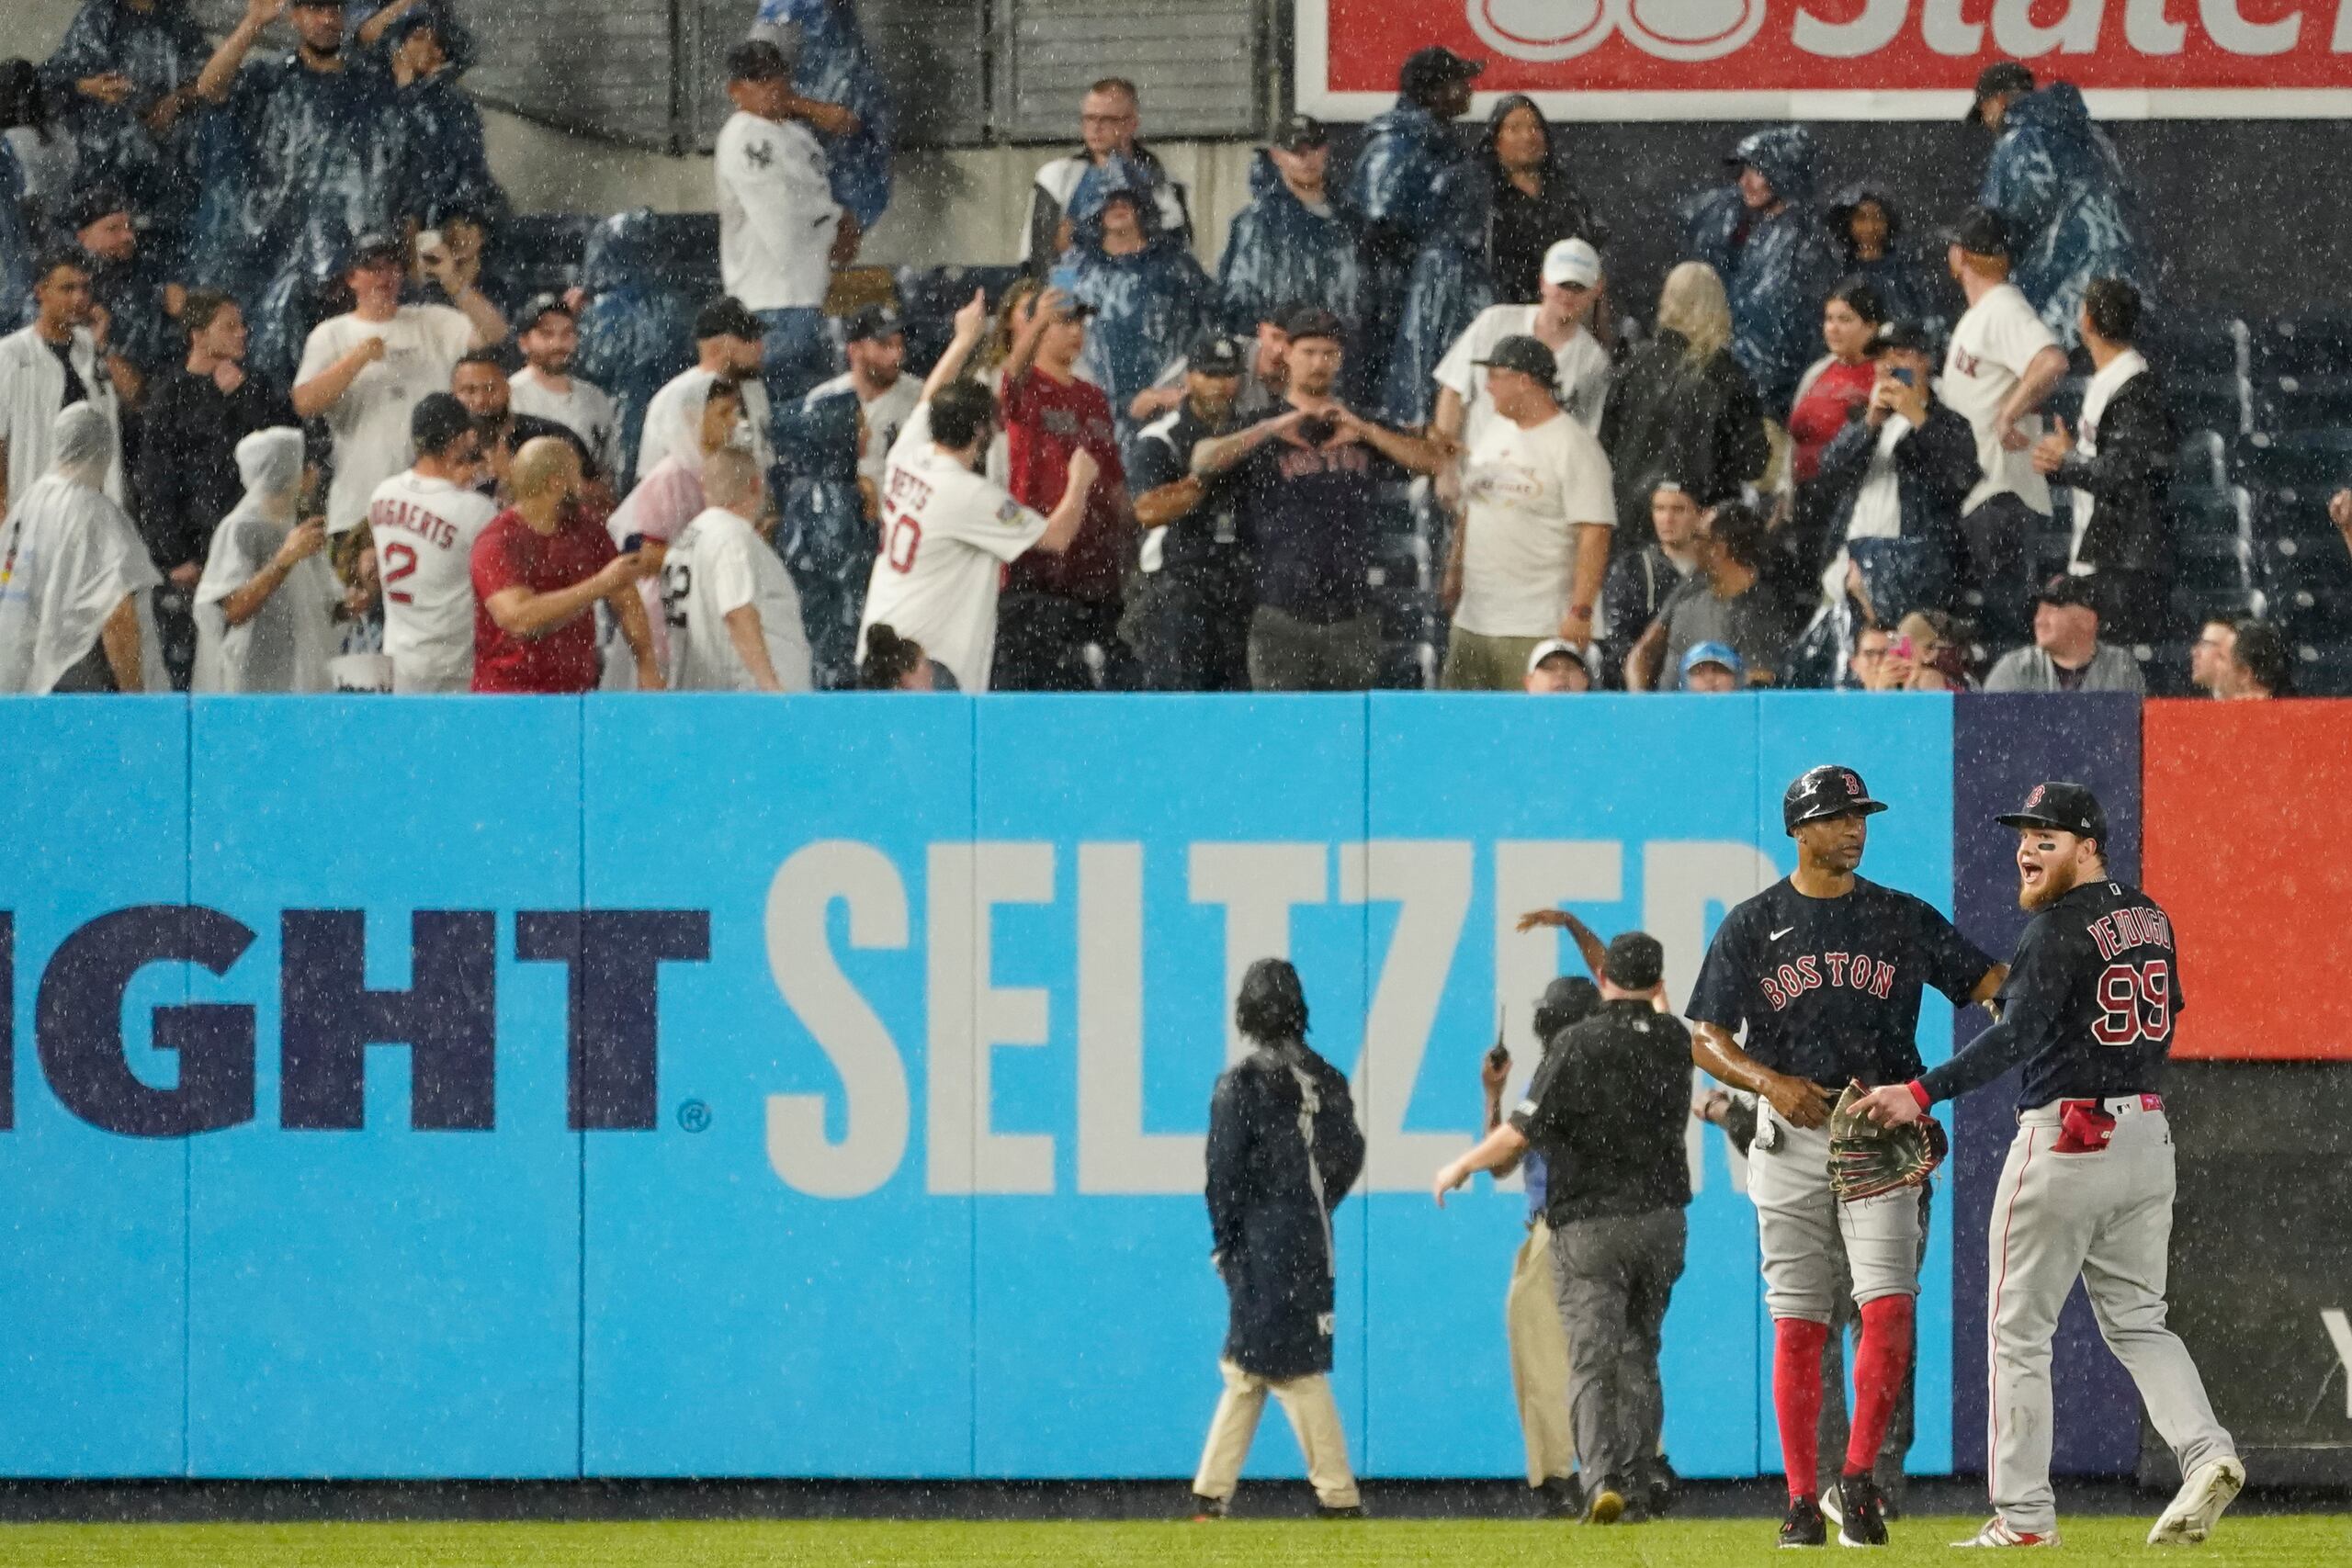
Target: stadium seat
x=2163, y=668
x=2200, y=512
x=929, y=297
x=536, y=252
x=2211, y=402
x=2308, y=584
x=2295, y=468
x=2302, y=402
x=2188, y=343
x=2202, y=461
x=2309, y=342
x=2323, y=669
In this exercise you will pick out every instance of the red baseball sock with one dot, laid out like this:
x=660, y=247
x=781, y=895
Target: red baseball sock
x=1880, y=1362
x=1796, y=1398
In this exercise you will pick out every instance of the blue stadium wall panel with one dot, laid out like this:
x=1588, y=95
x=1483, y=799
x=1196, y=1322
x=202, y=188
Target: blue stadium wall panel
x=723, y=1087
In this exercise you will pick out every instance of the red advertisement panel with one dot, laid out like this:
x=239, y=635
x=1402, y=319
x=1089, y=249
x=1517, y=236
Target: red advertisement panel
x=2248, y=844
x=1839, y=59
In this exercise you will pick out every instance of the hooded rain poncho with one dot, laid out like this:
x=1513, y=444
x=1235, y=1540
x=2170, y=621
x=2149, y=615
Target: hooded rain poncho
x=826, y=541
x=1448, y=287
x=636, y=330
x=1777, y=270
x=1280, y=252
x=162, y=52
x=1150, y=306
x=1905, y=284
x=16, y=243
x=2054, y=177
x=831, y=63
x=289, y=643
x=1404, y=151
x=68, y=559
x=1284, y=1149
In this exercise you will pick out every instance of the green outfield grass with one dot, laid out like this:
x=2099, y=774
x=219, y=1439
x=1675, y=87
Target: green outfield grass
x=2281, y=1539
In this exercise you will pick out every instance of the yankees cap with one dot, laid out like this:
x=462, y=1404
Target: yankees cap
x=757, y=60
x=726, y=317
x=2001, y=76
x=1301, y=133
x=1215, y=356
x=1981, y=231
x=2063, y=807
x=545, y=304
x=1826, y=791
x=873, y=324
x=1901, y=335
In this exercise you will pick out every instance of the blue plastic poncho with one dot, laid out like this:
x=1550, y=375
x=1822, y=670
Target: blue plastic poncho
x=1777, y=270
x=458, y=45
x=1280, y=253
x=1904, y=283
x=311, y=161
x=636, y=330
x=16, y=244
x=1148, y=306
x=1448, y=285
x=444, y=166
x=827, y=542
x=1405, y=150
x=832, y=64
x=138, y=329
x=2054, y=176
x=162, y=52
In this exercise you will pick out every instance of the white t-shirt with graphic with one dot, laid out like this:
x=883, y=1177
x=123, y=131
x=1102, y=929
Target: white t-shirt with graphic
x=1583, y=363
x=421, y=346
x=1995, y=340
x=1526, y=490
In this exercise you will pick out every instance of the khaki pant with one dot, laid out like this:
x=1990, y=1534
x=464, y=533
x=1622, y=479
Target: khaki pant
x=1314, y=1417
x=1474, y=663
x=1287, y=654
x=1539, y=1360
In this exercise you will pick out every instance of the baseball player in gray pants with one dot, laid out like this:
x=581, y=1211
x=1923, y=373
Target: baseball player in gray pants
x=2087, y=1190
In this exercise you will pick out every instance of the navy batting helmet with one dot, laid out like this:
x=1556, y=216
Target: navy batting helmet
x=1826, y=791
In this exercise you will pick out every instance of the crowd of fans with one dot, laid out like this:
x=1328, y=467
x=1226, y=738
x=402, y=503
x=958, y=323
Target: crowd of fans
x=275, y=420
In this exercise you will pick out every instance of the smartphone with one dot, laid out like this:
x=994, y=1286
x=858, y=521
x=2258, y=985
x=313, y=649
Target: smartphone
x=1903, y=374
x=1899, y=649
x=633, y=544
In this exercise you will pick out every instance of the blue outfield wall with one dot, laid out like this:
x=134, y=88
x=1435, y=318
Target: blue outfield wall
x=818, y=1086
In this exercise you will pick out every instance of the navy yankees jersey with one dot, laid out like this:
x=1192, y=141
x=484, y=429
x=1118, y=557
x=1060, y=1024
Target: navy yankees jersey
x=2088, y=1007
x=1829, y=988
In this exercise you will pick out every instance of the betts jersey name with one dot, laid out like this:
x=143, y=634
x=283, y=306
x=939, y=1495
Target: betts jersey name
x=1852, y=972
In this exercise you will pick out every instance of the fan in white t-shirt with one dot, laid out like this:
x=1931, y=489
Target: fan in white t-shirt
x=946, y=531
x=733, y=614
x=546, y=389
x=364, y=372
x=423, y=523
x=2002, y=365
x=1572, y=284
x=1530, y=555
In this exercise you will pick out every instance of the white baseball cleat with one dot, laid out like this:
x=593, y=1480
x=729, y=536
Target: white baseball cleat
x=2194, y=1509
x=1998, y=1532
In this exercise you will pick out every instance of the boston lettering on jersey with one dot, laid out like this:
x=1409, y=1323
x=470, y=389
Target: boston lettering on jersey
x=1856, y=971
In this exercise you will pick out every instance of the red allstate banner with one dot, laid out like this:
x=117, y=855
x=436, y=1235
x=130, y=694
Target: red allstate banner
x=1613, y=60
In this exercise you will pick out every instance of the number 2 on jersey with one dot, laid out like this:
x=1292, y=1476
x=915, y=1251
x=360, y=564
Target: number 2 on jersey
x=2135, y=1002
x=400, y=565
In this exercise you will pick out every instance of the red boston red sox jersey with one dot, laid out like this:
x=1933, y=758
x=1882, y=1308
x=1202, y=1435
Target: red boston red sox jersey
x=946, y=534
x=425, y=531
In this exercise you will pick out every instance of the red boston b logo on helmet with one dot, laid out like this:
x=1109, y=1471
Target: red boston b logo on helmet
x=1853, y=784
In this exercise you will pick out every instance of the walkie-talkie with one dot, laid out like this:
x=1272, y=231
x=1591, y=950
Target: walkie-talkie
x=1499, y=1058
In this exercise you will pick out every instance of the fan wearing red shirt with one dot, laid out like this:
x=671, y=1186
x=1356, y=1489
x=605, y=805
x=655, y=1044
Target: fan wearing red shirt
x=1834, y=390
x=1055, y=605
x=538, y=572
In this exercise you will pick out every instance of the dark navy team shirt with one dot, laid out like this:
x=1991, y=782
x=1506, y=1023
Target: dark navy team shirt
x=1829, y=988
x=2088, y=1007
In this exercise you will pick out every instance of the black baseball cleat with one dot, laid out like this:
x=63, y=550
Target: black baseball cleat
x=1326, y=1511
x=1563, y=1498
x=1805, y=1525
x=1660, y=1487
x=1862, y=1512
x=1206, y=1508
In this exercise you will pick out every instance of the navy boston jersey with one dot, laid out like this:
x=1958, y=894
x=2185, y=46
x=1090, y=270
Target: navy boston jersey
x=2088, y=1007
x=1829, y=988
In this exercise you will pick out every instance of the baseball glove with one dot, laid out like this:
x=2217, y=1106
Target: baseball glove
x=1866, y=1160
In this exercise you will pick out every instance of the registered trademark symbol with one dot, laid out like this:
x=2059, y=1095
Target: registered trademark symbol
x=693, y=1116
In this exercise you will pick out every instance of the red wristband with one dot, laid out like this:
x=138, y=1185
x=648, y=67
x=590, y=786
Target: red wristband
x=1919, y=1092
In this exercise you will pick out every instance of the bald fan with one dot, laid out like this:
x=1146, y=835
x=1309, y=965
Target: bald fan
x=544, y=466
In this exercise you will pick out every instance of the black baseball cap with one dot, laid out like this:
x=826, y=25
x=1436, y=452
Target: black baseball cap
x=1301, y=132
x=547, y=303
x=373, y=250
x=1911, y=336
x=2066, y=808
x=757, y=60
x=437, y=420
x=2001, y=76
x=1565, y=1002
x=1525, y=355
x=1215, y=356
x=873, y=323
x=1635, y=962
x=1826, y=791
x=2065, y=590
x=726, y=317
x=92, y=203
x=1434, y=67
x=1313, y=321
x=1981, y=231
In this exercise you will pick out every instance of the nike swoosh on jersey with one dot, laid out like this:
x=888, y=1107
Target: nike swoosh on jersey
x=1778, y=934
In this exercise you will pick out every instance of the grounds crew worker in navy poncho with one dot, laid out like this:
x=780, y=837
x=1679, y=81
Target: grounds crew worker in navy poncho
x=1283, y=1148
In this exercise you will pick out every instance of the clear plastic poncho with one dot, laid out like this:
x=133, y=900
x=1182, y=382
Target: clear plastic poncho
x=68, y=559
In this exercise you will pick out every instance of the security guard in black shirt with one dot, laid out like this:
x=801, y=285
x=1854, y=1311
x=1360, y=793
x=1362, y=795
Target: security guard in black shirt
x=1607, y=1109
x=1190, y=624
